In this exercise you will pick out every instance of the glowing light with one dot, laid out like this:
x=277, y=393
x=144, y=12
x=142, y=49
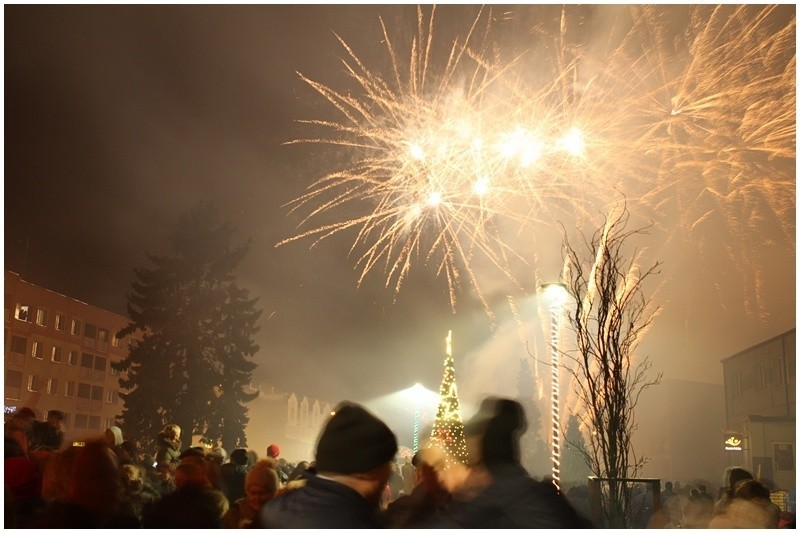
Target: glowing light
x=530, y=152
x=434, y=198
x=448, y=428
x=572, y=142
x=481, y=186
x=555, y=295
x=417, y=152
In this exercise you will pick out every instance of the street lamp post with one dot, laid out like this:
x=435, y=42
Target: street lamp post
x=417, y=390
x=555, y=295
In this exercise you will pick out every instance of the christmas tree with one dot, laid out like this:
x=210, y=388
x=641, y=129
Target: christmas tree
x=448, y=428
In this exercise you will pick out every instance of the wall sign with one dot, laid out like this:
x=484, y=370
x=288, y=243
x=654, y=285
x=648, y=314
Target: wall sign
x=733, y=441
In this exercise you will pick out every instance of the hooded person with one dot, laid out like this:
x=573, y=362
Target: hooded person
x=169, y=445
x=113, y=436
x=731, y=478
x=353, y=464
x=260, y=485
x=509, y=498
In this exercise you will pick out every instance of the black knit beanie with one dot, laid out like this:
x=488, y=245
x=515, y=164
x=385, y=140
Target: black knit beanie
x=354, y=441
x=500, y=422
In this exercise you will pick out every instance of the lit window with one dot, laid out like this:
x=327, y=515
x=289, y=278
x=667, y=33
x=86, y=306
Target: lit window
x=73, y=357
x=76, y=327
x=41, y=317
x=69, y=388
x=102, y=335
x=55, y=354
x=52, y=386
x=60, y=321
x=111, y=396
x=116, y=342
x=22, y=312
x=37, y=349
x=33, y=383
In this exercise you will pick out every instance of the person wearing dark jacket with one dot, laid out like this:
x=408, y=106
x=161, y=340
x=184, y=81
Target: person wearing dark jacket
x=169, y=445
x=233, y=474
x=353, y=464
x=428, y=498
x=48, y=435
x=509, y=498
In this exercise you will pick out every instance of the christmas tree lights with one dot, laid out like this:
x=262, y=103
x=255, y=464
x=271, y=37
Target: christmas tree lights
x=448, y=428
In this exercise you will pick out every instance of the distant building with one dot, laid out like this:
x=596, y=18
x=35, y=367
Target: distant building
x=58, y=355
x=680, y=425
x=760, y=408
x=290, y=420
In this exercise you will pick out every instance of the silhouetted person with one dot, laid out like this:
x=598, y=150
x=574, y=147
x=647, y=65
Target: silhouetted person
x=233, y=474
x=731, y=478
x=508, y=497
x=260, y=485
x=353, y=459
x=48, y=435
x=749, y=508
x=427, y=499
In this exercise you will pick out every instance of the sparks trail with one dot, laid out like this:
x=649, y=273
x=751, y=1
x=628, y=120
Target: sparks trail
x=451, y=149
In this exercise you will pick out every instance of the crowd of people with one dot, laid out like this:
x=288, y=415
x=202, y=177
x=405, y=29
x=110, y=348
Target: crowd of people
x=354, y=481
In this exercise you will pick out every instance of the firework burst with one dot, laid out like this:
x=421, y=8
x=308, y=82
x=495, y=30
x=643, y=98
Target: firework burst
x=449, y=154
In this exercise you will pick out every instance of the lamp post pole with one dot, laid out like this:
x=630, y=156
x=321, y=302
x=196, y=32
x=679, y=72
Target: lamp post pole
x=555, y=294
x=417, y=390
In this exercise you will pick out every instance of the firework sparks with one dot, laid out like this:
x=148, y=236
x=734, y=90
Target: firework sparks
x=448, y=152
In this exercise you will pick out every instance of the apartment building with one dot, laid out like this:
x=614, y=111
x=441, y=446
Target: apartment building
x=760, y=408
x=58, y=355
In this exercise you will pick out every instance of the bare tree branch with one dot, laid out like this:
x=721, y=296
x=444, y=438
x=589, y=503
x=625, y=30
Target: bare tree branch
x=610, y=317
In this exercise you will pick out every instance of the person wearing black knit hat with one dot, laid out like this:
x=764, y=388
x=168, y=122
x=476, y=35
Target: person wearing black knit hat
x=510, y=498
x=353, y=464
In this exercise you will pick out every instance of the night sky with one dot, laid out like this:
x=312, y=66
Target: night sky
x=120, y=118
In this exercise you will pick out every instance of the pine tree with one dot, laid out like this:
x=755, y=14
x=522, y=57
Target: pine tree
x=448, y=427
x=534, y=451
x=191, y=356
x=574, y=467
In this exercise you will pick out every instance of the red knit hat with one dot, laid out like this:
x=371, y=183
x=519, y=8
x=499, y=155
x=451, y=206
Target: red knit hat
x=273, y=450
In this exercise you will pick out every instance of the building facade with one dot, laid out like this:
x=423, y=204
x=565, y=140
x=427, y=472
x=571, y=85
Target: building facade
x=58, y=355
x=760, y=406
x=292, y=421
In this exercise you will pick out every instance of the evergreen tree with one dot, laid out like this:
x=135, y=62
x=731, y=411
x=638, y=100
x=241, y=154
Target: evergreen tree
x=534, y=452
x=193, y=326
x=448, y=427
x=574, y=467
